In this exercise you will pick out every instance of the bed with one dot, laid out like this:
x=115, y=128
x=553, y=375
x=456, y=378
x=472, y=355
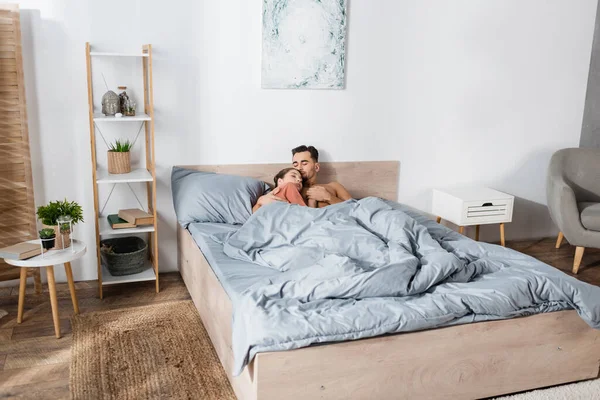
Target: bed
x=465, y=361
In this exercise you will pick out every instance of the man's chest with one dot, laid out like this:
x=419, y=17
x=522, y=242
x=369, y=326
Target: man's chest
x=320, y=204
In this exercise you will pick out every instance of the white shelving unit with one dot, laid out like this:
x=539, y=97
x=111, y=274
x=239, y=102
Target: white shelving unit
x=136, y=175
x=146, y=275
x=104, y=118
x=106, y=230
x=104, y=54
x=145, y=175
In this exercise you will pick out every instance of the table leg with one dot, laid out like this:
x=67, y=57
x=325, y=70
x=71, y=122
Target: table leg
x=461, y=230
x=37, y=280
x=502, y=235
x=438, y=220
x=22, y=284
x=53, y=299
x=477, y=233
x=72, y=287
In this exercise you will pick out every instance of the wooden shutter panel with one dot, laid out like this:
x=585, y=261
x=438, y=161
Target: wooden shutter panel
x=17, y=207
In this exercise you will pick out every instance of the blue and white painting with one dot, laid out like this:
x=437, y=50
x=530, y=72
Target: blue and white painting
x=304, y=44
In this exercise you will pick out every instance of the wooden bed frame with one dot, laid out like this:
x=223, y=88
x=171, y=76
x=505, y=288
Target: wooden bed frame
x=467, y=361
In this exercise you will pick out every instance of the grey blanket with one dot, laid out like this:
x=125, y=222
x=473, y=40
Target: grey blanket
x=369, y=267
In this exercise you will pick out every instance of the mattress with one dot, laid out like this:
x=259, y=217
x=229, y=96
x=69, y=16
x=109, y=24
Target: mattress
x=234, y=275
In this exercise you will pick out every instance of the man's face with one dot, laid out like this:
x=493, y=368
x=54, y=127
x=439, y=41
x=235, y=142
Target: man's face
x=305, y=164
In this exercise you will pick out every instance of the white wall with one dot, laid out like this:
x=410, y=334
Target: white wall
x=459, y=92
x=486, y=92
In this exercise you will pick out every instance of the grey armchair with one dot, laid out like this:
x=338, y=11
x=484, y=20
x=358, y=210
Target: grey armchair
x=573, y=191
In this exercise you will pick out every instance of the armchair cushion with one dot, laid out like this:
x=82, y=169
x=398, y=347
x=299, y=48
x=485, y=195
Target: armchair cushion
x=590, y=215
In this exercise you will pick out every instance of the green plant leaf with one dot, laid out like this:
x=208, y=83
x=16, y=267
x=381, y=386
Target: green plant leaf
x=120, y=146
x=47, y=233
x=49, y=214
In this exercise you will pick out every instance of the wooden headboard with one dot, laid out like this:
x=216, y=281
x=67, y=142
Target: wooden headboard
x=360, y=178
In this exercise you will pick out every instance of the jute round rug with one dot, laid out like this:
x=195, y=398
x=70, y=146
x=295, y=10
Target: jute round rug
x=159, y=351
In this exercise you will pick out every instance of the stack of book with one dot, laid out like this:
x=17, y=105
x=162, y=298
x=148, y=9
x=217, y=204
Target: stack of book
x=130, y=218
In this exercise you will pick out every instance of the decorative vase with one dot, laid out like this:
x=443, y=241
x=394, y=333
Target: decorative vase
x=61, y=237
x=129, y=109
x=127, y=105
x=110, y=103
x=119, y=162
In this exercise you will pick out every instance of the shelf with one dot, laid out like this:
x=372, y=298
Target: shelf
x=105, y=228
x=144, y=172
x=146, y=275
x=136, y=175
x=99, y=117
x=105, y=54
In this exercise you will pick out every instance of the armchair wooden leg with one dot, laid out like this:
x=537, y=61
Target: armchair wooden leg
x=578, y=256
x=502, y=241
x=438, y=219
x=559, y=240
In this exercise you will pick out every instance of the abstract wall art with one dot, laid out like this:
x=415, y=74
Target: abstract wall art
x=303, y=44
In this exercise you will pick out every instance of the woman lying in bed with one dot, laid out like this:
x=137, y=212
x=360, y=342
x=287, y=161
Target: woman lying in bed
x=288, y=186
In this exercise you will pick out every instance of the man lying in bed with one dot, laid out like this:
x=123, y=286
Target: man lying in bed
x=306, y=160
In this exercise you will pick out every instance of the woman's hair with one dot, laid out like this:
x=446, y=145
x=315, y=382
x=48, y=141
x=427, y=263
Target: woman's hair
x=281, y=174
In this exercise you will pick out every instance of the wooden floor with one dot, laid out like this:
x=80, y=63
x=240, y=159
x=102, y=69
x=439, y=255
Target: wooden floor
x=544, y=250
x=34, y=364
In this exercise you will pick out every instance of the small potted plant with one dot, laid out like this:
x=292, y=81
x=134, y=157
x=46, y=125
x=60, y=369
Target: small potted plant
x=47, y=235
x=119, y=160
x=51, y=213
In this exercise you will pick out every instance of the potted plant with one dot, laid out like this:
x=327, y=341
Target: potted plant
x=51, y=213
x=47, y=235
x=119, y=160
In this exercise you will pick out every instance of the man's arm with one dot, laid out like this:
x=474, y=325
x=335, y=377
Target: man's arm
x=340, y=192
x=332, y=194
x=334, y=200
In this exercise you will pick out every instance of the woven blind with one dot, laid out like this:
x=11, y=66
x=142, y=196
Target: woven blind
x=17, y=208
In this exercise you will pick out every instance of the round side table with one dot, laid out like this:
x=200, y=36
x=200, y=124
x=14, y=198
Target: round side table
x=48, y=260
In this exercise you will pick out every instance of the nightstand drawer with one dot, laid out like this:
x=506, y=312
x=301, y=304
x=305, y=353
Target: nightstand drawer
x=472, y=206
x=487, y=212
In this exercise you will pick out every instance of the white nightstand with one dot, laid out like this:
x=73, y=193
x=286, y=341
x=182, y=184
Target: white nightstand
x=49, y=260
x=467, y=206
